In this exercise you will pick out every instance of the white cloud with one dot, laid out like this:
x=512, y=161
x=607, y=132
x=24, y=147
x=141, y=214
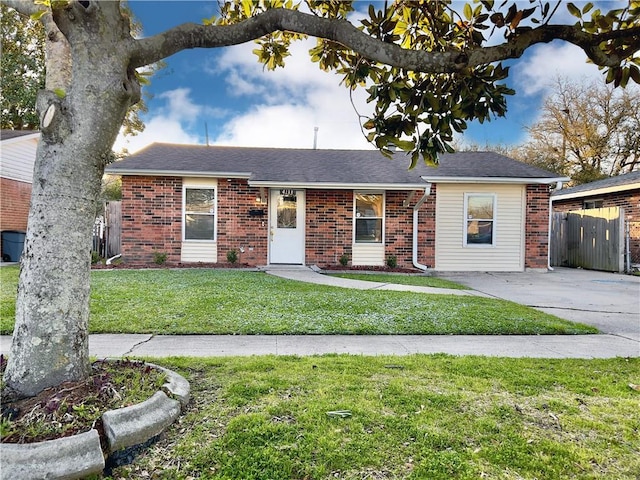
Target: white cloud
x=179, y=105
x=546, y=62
x=289, y=103
x=167, y=124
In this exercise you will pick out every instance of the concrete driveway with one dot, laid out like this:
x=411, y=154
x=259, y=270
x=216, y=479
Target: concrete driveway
x=608, y=301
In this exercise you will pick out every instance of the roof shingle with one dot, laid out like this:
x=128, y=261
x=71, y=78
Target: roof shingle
x=305, y=166
x=617, y=181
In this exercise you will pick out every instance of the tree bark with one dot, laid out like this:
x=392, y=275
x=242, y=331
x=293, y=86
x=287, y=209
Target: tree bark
x=50, y=340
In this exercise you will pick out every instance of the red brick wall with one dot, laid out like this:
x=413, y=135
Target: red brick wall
x=329, y=231
x=151, y=218
x=15, y=197
x=236, y=228
x=399, y=228
x=629, y=200
x=537, y=227
x=329, y=226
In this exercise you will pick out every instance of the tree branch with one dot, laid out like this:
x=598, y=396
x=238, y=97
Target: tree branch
x=57, y=47
x=149, y=50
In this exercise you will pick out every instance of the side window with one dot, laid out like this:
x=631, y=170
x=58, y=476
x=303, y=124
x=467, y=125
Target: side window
x=588, y=204
x=199, y=213
x=480, y=210
x=369, y=214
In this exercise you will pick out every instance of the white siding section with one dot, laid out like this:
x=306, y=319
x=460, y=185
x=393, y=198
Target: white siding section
x=17, y=159
x=199, y=251
x=507, y=253
x=368, y=254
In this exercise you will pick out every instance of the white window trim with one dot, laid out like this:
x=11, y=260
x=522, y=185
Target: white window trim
x=198, y=185
x=494, y=230
x=384, y=216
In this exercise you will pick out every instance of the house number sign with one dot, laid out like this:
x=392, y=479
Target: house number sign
x=287, y=193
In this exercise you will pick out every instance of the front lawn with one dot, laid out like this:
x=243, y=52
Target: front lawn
x=209, y=301
x=416, y=417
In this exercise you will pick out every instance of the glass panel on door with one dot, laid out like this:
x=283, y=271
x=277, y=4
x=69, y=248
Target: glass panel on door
x=287, y=211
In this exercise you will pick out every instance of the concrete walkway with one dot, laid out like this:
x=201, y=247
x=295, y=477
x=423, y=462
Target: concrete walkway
x=610, y=302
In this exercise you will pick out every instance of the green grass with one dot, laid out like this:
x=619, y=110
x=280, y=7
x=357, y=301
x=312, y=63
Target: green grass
x=416, y=417
x=206, y=301
x=417, y=280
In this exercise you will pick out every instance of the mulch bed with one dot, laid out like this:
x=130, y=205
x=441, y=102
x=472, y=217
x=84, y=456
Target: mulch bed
x=141, y=265
x=241, y=266
x=66, y=409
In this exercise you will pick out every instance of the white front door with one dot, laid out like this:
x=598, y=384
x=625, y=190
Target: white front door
x=286, y=226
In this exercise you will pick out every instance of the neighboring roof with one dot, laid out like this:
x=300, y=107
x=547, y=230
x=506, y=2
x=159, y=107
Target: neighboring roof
x=11, y=134
x=330, y=168
x=620, y=183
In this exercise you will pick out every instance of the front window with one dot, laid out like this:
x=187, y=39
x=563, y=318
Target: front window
x=199, y=214
x=369, y=214
x=480, y=219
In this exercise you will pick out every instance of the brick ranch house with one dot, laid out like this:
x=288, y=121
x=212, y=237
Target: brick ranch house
x=17, y=156
x=620, y=191
x=476, y=211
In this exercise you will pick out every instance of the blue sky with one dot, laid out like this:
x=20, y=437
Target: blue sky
x=226, y=92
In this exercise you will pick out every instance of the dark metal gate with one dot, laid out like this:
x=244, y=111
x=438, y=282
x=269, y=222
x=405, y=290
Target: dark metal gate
x=591, y=239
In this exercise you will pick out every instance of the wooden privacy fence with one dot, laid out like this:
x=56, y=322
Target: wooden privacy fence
x=591, y=239
x=107, y=230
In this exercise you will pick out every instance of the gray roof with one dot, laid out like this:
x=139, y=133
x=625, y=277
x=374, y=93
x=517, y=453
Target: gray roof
x=304, y=166
x=9, y=134
x=618, y=181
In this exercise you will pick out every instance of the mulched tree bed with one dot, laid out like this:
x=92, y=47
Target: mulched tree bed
x=72, y=408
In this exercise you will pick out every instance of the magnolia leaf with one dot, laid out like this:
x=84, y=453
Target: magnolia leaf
x=634, y=73
x=635, y=387
x=38, y=15
x=468, y=12
x=516, y=20
x=573, y=10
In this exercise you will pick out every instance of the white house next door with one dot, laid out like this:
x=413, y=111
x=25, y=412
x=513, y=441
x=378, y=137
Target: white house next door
x=286, y=226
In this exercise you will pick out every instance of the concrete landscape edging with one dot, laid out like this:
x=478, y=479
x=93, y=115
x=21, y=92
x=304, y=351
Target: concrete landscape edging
x=80, y=455
x=64, y=458
x=129, y=426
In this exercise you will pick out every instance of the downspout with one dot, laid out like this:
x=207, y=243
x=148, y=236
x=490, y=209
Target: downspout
x=549, y=267
x=416, y=207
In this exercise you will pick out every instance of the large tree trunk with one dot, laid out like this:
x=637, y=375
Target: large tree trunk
x=50, y=340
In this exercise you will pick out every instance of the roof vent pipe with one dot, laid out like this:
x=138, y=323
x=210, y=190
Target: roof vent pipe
x=315, y=138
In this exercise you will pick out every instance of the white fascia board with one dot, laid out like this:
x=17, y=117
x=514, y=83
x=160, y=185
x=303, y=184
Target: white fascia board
x=176, y=173
x=338, y=186
x=597, y=191
x=22, y=138
x=514, y=180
